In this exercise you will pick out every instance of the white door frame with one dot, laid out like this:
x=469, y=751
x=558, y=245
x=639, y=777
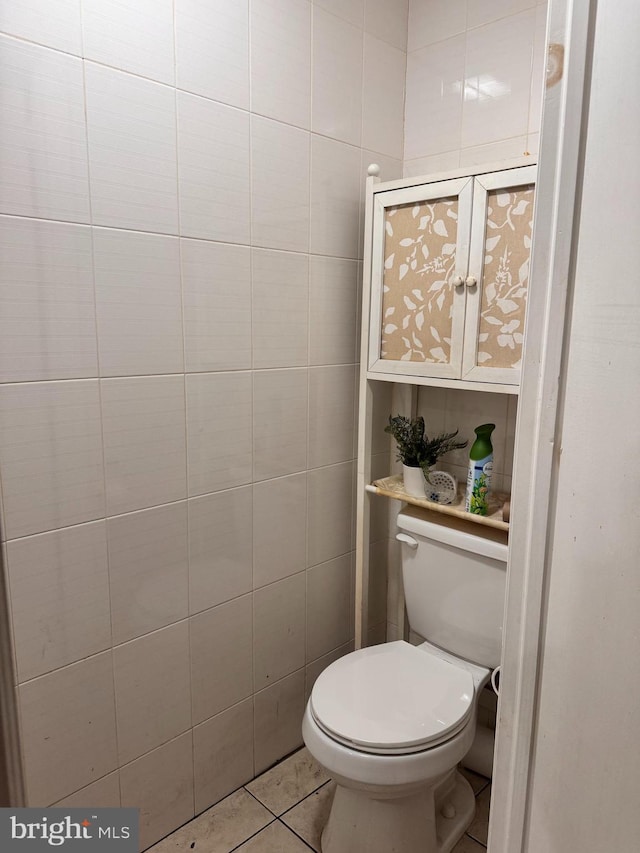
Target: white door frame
x=535, y=451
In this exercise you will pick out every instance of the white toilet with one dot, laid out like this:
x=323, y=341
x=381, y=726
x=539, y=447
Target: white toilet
x=390, y=723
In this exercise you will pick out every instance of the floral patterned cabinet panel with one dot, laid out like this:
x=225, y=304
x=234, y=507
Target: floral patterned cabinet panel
x=498, y=280
x=421, y=240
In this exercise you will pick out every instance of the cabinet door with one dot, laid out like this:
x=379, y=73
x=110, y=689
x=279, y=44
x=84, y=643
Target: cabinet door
x=420, y=245
x=499, y=262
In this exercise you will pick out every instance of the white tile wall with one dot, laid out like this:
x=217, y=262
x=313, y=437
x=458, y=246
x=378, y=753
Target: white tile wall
x=221, y=657
x=213, y=157
x=47, y=310
x=216, y=288
x=68, y=729
x=59, y=597
x=136, y=37
x=180, y=230
x=43, y=169
x=131, y=126
x=143, y=421
x=281, y=60
x=220, y=548
x=280, y=185
x=148, y=570
x=474, y=82
x=138, y=303
x=152, y=672
x=337, y=77
x=212, y=49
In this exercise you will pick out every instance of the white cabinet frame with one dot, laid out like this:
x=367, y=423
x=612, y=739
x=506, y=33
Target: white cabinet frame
x=462, y=189
x=482, y=186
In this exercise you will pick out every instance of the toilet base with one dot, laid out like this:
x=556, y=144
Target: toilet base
x=365, y=821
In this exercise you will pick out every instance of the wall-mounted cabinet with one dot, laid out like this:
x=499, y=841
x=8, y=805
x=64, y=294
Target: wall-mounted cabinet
x=449, y=277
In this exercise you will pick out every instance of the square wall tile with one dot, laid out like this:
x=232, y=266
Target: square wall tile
x=335, y=198
x=213, y=170
x=68, y=729
x=434, y=21
x=47, y=310
x=279, y=628
x=144, y=441
x=216, y=286
x=135, y=37
x=103, y=794
x=138, y=303
x=43, y=147
x=329, y=512
x=50, y=455
x=223, y=754
x=337, y=77
x=59, y=586
x=148, y=570
x=221, y=664
x=328, y=606
x=388, y=20
x=442, y=162
x=333, y=303
x=219, y=431
x=220, y=547
x=54, y=23
x=212, y=49
x=331, y=414
x=383, y=97
x=280, y=308
x=132, y=151
x=278, y=713
x=279, y=528
x=281, y=60
x=280, y=185
x=160, y=784
x=491, y=10
x=434, y=95
x=492, y=152
x=348, y=10
x=153, y=690
x=497, y=79
x=279, y=423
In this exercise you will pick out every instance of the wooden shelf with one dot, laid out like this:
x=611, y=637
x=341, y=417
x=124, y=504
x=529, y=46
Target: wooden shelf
x=393, y=487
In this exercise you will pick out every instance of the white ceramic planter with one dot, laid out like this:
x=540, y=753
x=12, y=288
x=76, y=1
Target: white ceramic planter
x=413, y=481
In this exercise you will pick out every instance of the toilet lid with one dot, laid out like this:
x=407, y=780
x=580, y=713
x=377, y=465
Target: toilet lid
x=392, y=698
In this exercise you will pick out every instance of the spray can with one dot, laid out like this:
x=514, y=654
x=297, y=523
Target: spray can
x=480, y=469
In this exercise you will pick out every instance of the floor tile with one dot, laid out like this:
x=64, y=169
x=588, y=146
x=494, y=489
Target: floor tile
x=276, y=838
x=309, y=817
x=468, y=845
x=479, y=829
x=288, y=782
x=221, y=828
x=478, y=783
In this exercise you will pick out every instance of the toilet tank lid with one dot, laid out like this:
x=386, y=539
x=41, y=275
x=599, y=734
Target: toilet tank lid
x=455, y=532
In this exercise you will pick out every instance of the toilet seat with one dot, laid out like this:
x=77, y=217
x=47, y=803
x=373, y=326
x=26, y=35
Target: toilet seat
x=392, y=699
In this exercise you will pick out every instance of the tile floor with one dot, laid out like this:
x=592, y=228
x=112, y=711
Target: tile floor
x=284, y=811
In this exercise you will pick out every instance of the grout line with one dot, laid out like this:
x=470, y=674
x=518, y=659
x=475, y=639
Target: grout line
x=293, y=832
x=306, y=797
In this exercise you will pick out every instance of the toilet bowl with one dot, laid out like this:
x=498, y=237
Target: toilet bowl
x=390, y=723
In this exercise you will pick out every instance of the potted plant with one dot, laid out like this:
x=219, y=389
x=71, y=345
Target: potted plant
x=417, y=452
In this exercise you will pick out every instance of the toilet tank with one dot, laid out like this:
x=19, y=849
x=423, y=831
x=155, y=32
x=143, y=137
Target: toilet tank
x=454, y=584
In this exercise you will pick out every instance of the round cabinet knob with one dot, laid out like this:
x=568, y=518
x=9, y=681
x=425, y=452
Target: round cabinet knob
x=458, y=281
x=471, y=281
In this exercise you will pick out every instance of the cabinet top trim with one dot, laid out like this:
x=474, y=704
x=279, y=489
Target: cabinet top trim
x=466, y=172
